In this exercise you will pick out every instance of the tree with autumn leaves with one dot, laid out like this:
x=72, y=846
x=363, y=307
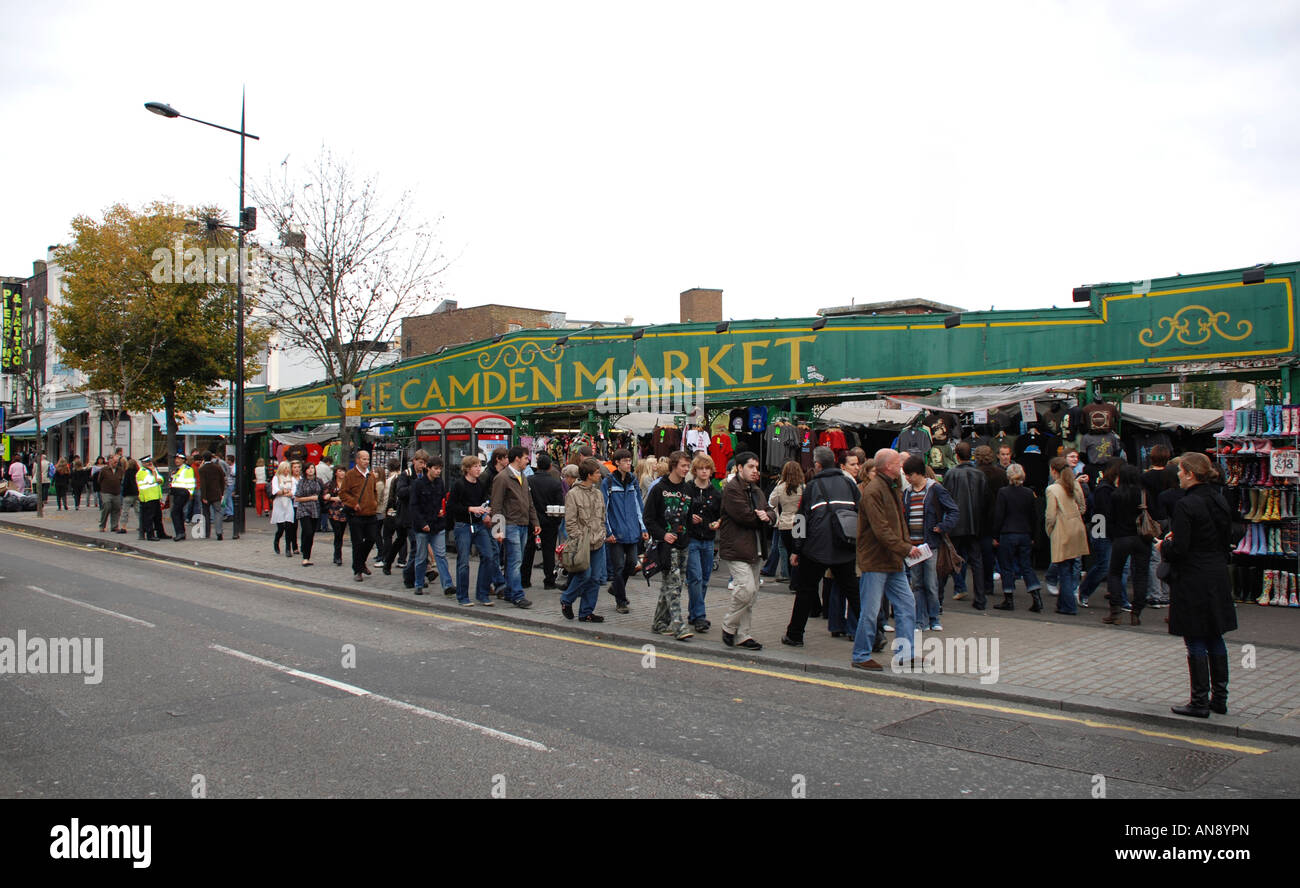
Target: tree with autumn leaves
x=148, y=307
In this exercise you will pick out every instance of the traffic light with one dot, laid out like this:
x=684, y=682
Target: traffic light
x=248, y=219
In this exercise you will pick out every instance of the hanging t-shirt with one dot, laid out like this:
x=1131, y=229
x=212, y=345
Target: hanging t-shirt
x=757, y=419
x=667, y=440
x=772, y=449
x=1099, y=448
x=914, y=440
x=720, y=451
x=1034, y=452
x=697, y=440
x=737, y=420
x=1099, y=417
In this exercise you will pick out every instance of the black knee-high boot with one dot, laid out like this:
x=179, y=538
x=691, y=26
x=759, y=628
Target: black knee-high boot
x=1198, y=669
x=1219, y=683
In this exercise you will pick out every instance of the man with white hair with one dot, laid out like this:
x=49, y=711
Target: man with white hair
x=883, y=544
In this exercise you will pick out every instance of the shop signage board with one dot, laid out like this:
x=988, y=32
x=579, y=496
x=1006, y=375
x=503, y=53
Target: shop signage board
x=1285, y=463
x=11, y=306
x=1126, y=329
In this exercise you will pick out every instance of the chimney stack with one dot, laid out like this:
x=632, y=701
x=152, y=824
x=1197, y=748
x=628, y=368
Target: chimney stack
x=701, y=304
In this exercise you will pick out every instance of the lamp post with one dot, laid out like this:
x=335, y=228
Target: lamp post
x=247, y=222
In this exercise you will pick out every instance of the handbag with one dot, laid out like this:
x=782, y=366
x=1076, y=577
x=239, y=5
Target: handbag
x=1147, y=527
x=948, y=561
x=576, y=556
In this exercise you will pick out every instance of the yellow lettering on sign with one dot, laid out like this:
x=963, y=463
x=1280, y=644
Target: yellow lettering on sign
x=367, y=397
x=751, y=362
x=639, y=369
x=580, y=372
x=433, y=394
x=517, y=393
x=401, y=393
x=539, y=379
x=383, y=397
x=706, y=365
x=674, y=363
x=793, y=342
x=488, y=379
x=470, y=387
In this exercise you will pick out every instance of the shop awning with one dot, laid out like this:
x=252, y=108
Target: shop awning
x=644, y=423
x=318, y=435
x=875, y=417
x=1171, y=419
x=209, y=422
x=48, y=421
x=966, y=398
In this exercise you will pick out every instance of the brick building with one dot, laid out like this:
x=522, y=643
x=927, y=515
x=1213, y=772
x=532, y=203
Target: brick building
x=449, y=325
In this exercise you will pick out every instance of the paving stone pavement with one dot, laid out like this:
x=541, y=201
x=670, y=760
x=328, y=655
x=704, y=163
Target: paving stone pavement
x=1042, y=657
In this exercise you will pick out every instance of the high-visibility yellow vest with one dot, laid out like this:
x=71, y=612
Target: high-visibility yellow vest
x=147, y=482
x=184, y=479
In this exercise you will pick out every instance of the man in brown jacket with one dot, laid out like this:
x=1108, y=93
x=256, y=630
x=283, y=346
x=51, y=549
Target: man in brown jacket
x=212, y=490
x=359, y=492
x=110, y=491
x=584, y=523
x=513, y=513
x=738, y=548
x=883, y=544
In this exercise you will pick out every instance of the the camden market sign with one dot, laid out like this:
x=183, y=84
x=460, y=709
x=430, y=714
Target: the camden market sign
x=1131, y=329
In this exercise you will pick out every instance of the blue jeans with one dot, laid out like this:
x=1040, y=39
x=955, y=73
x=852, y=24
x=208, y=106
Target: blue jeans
x=477, y=534
x=775, y=558
x=1198, y=647
x=516, y=537
x=421, y=544
x=699, y=568
x=894, y=587
x=1100, y=568
x=1068, y=571
x=420, y=558
x=1015, y=554
x=586, y=585
x=924, y=579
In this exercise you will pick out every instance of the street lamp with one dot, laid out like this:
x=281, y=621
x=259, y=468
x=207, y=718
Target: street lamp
x=247, y=222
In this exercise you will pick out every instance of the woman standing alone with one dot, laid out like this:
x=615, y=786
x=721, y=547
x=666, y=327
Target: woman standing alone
x=1200, y=594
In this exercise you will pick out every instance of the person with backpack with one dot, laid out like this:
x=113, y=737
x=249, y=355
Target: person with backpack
x=820, y=544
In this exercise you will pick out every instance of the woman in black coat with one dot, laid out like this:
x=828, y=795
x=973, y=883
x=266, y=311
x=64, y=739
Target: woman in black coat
x=1200, y=599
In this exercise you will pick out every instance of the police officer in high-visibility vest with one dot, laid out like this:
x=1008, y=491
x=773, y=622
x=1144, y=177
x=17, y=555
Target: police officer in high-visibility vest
x=150, y=486
x=183, y=483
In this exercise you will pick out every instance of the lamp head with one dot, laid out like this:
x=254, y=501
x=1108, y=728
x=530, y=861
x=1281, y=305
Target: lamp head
x=162, y=109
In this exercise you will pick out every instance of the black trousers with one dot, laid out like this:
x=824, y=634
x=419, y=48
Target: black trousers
x=393, y=543
x=340, y=528
x=808, y=590
x=620, y=566
x=549, y=535
x=398, y=544
x=151, y=519
x=288, y=530
x=1121, y=549
x=307, y=532
x=180, y=501
x=364, y=530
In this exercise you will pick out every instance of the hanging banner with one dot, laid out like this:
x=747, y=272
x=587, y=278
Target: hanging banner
x=11, y=354
x=1028, y=411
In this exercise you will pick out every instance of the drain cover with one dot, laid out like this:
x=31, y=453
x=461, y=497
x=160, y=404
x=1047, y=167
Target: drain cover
x=1157, y=764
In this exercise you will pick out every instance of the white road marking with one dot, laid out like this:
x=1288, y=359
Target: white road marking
x=397, y=704
x=102, y=610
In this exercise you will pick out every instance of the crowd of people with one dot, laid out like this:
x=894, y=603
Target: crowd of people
x=863, y=542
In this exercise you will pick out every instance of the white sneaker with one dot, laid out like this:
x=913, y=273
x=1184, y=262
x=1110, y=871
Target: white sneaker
x=889, y=627
x=731, y=585
x=760, y=581
x=1053, y=589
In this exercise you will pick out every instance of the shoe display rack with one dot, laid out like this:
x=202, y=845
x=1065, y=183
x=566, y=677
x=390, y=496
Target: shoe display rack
x=1266, y=563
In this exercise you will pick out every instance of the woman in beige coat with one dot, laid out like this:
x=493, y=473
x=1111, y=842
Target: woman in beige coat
x=1069, y=533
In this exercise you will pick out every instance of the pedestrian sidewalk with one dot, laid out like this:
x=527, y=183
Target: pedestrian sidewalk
x=1073, y=664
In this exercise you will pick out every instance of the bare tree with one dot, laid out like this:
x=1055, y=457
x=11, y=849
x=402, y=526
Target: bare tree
x=347, y=268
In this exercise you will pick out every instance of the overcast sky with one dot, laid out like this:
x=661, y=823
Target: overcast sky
x=598, y=158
